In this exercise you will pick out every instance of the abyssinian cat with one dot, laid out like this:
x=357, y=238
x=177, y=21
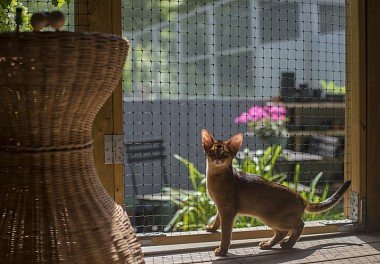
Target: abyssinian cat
x=239, y=193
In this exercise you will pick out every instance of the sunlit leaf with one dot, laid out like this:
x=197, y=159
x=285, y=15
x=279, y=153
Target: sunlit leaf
x=313, y=185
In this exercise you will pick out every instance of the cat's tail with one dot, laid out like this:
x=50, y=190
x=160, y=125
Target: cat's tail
x=330, y=202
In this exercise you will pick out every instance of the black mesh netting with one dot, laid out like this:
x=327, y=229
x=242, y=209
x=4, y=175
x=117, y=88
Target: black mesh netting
x=274, y=70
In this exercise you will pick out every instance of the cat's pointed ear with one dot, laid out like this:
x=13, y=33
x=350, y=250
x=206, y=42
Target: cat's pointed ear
x=207, y=139
x=235, y=142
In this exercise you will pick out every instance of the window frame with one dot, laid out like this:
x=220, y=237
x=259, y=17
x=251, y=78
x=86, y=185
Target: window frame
x=105, y=16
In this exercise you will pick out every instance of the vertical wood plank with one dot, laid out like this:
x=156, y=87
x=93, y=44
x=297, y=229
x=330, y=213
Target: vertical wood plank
x=103, y=125
x=355, y=149
x=373, y=120
x=105, y=16
x=117, y=100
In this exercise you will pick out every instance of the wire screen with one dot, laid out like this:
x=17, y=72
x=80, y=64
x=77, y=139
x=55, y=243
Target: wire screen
x=273, y=70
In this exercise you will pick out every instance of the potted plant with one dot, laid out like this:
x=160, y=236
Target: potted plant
x=267, y=122
x=333, y=92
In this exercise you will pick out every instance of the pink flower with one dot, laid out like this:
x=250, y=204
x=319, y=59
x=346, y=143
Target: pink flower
x=275, y=117
x=257, y=113
x=243, y=118
x=277, y=110
x=277, y=113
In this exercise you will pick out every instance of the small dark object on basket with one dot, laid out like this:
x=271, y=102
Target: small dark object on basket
x=39, y=21
x=56, y=19
x=18, y=18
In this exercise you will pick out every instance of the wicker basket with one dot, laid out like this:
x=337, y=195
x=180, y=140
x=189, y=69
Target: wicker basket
x=53, y=207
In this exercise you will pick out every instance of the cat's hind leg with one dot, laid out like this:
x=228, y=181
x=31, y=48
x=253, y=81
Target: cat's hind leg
x=278, y=236
x=215, y=225
x=295, y=235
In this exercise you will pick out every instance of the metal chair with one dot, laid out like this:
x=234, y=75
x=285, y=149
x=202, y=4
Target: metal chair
x=145, y=209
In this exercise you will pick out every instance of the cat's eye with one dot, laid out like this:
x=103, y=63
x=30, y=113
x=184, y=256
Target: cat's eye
x=211, y=153
x=224, y=153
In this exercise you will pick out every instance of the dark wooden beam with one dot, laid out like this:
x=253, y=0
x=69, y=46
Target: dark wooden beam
x=373, y=116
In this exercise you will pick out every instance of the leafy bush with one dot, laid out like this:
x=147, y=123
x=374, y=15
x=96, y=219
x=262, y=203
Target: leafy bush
x=7, y=16
x=196, y=209
x=8, y=11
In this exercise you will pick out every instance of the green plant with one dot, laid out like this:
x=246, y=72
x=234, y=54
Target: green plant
x=262, y=164
x=8, y=11
x=196, y=209
x=7, y=16
x=59, y=3
x=332, y=88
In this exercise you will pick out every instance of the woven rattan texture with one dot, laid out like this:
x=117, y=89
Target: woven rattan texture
x=53, y=207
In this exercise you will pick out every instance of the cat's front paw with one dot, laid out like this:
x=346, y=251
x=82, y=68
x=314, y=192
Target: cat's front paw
x=265, y=245
x=220, y=252
x=211, y=228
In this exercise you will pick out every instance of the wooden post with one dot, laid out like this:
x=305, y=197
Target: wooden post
x=105, y=16
x=355, y=141
x=373, y=110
